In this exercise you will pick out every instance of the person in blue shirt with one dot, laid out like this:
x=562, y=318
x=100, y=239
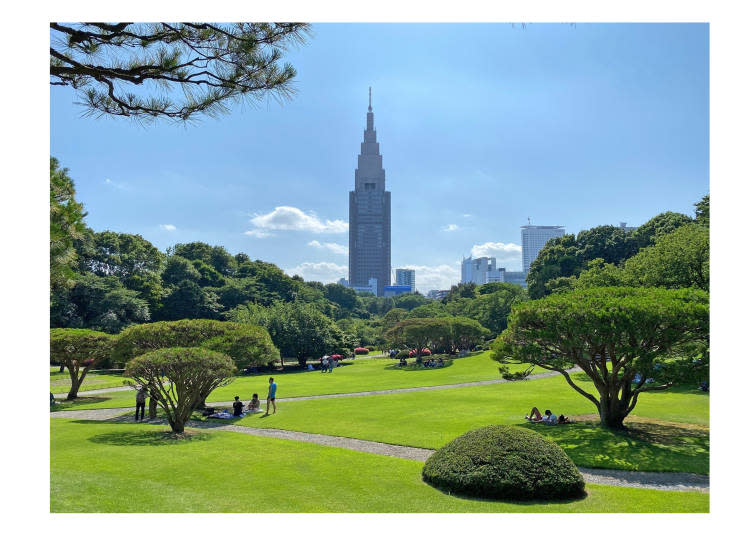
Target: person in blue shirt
x=271, y=396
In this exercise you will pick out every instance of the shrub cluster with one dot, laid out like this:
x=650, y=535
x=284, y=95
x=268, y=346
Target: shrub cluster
x=361, y=351
x=504, y=462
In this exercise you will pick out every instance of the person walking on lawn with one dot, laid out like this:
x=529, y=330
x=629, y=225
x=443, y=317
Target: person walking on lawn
x=140, y=402
x=271, y=396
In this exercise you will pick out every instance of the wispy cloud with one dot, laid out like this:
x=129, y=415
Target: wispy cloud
x=451, y=227
x=258, y=233
x=116, y=185
x=504, y=253
x=325, y=272
x=294, y=219
x=167, y=227
x=339, y=249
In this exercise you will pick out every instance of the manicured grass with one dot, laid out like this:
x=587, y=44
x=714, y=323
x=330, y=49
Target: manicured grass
x=59, y=382
x=430, y=419
x=352, y=376
x=116, y=399
x=134, y=468
x=363, y=375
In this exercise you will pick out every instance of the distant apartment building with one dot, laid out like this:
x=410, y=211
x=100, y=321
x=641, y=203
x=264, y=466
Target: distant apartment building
x=406, y=277
x=533, y=239
x=395, y=290
x=438, y=294
x=516, y=278
x=371, y=287
x=480, y=270
x=624, y=227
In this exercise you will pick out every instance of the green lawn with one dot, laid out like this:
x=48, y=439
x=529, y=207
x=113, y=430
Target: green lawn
x=59, y=382
x=430, y=419
x=132, y=468
x=352, y=376
x=363, y=375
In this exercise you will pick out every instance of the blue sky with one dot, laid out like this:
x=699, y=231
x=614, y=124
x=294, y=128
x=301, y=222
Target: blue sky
x=480, y=126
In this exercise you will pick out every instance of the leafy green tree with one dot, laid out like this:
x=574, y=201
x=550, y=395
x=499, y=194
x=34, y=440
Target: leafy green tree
x=430, y=310
x=702, y=211
x=79, y=350
x=182, y=377
x=490, y=310
x=393, y=317
x=345, y=297
x=298, y=329
x=678, y=259
x=210, y=277
x=65, y=225
x=658, y=226
x=463, y=334
x=558, y=258
x=188, y=300
x=99, y=303
x=410, y=301
x=462, y=290
x=418, y=333
x=215, y=256
x=617, y=336
x=179, y=269
x=119, y=254
x=245, y=343
x=140, y=70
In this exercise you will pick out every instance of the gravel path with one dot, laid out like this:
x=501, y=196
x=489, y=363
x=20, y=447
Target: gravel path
x=610, y=477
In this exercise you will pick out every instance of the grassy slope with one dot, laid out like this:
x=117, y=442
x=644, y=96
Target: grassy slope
x=129, y=468
x=432, y=418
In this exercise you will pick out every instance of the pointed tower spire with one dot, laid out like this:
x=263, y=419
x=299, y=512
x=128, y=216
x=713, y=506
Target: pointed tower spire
x=369, y=107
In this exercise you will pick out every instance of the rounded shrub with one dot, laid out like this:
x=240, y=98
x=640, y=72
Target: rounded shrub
x=504, y=462
x=361, y=351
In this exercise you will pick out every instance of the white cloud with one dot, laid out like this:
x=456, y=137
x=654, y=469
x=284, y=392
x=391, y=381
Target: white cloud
x=117, y=185
x=167, y=227
x=258, y=233
x=466, y=215
x=439, y=277
x=451, y=227
x=325, y=272
x=339, y=249
x=294, y=219
x=504, y=253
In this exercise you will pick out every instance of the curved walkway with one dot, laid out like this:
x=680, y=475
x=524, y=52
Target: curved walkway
x=610, y=477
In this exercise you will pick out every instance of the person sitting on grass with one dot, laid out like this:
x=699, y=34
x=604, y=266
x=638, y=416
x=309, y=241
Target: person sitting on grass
x=440, y=362
x=535, y=416
x=237, y=407
x=254, y=404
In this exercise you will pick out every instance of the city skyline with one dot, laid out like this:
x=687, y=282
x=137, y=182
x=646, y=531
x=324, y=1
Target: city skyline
x=544, y=122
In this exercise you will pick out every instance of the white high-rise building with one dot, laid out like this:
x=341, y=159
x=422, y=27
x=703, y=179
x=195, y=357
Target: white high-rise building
x=533, y=238
x=405, y=277
x=481, y=270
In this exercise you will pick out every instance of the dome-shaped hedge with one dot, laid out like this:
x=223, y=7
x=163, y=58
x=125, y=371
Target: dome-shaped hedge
x=504, y=462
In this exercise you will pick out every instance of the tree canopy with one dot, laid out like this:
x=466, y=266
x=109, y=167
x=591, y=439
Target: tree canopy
x=182, y=378
x=65, y=225
x=79, y=350
x=618, y=336
x=175, y=71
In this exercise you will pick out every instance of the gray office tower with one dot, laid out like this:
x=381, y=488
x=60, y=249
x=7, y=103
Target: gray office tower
x=369, y=215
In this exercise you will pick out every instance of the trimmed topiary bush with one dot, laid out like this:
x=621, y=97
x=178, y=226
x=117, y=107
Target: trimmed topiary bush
x=504, y=462
x=361, y=351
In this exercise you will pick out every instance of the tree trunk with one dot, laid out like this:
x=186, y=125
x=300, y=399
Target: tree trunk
x=74, y=386
x=611, y=415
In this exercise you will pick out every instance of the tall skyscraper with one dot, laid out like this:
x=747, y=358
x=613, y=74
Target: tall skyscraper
x=533, y=238
x=406, y=277
x=370, y=215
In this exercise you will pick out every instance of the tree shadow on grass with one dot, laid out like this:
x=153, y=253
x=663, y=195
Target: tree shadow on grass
x=645, y=444
x=78, y=403
x=141, y=438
